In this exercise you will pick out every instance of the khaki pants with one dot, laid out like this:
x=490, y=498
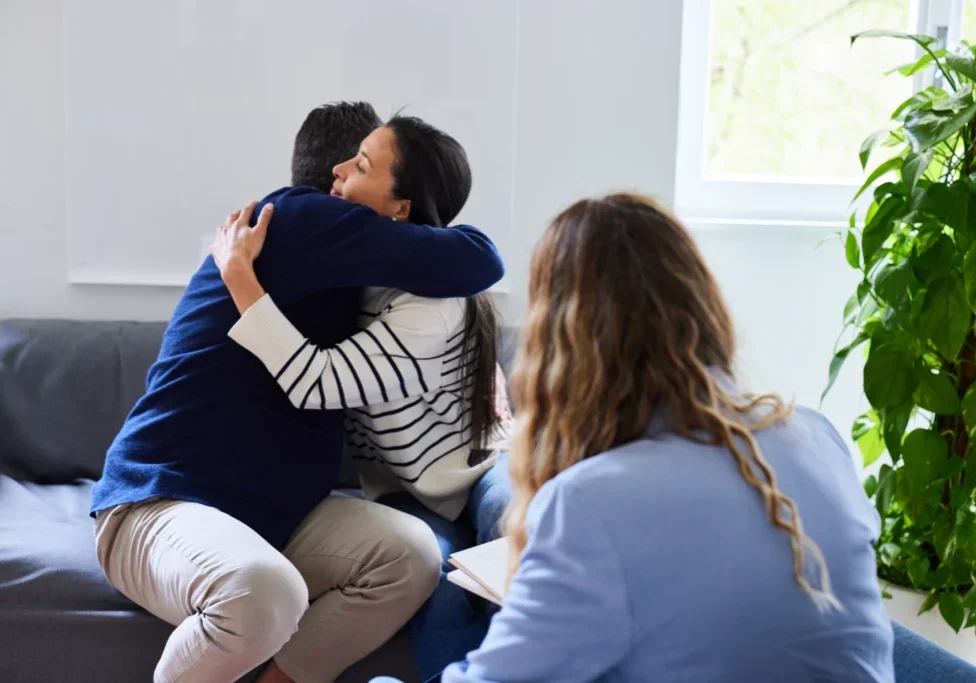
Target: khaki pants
x=236, y=601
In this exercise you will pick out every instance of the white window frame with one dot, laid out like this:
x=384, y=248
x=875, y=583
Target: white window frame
x=764, y=198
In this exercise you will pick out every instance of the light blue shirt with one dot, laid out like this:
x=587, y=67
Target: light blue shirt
x=657, y=562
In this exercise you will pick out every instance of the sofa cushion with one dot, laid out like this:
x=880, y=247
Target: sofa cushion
x=52, y=591
x=65, y=389
x=47, y=549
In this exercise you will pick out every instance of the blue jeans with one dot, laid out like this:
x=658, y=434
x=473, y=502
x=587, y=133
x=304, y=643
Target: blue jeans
x=453, y=622
x=918, y=660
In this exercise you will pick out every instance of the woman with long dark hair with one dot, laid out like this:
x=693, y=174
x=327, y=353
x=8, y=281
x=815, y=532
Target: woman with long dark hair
x=417, y=382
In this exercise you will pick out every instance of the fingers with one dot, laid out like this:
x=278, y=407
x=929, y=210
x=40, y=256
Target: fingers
x=232, y=217
x=264, y=218
x=244, y=219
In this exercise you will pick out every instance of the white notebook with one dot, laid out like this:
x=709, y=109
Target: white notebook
x=483, y=570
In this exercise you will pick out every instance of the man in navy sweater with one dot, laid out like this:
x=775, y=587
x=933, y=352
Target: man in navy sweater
x=213, y=510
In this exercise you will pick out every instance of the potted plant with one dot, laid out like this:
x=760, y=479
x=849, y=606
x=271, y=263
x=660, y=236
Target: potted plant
x=913, y=314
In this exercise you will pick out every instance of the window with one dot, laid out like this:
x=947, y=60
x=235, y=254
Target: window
x=775, y=101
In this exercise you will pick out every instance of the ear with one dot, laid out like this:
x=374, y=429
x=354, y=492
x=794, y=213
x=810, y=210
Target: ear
x=401, y=210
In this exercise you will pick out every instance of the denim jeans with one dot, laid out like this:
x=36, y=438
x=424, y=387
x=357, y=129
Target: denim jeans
x=918, y=660
x=453, y=622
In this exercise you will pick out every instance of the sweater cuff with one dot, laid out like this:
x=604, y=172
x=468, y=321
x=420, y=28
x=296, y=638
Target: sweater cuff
x=267, y=333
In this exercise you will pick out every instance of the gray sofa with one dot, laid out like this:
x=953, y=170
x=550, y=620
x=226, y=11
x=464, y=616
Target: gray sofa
x=65, y=389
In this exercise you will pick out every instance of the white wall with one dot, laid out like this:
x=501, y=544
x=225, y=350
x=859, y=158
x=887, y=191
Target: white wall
x=586, y=118
x=596, y=109
x=787, y=295
x=33, y=239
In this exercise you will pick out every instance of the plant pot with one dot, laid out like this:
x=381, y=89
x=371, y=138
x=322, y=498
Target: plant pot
x=903, y=607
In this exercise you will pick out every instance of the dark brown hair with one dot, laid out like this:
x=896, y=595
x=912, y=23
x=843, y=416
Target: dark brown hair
x=431, y=170
x=329, y=135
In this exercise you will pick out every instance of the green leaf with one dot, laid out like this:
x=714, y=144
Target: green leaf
x=950, y=606
x=929, y=603
x=871, y=445
x=965, y=526
x=914, y=167
x=850, y=307
x=926, y=129
x=931, y=495
x=960, y=495
x=970, y=600
x=894, y=423
x=953, y=468
x=969, y=410
x=870, y=142
x=890, y=552
x=962, y=61
x=887, y=167
x=949, y=203
x=889, y=377
x=852, y=250
x=936, y=393
x=863, y=289
x=962, y=97
x=936, y=261
x=864, y=424
x=894, y=319
x=869, y=308
x=871, y=486
x=945, y=317
x=925, y=42
x=924, y=452
x=918, y=569
x=916, y=66
x=893, y=281
x=879, y=228
x=837, y=362
x=943, y=541
x=886, y=488
x=969, y=275
x=887, y=189
x=923, y=99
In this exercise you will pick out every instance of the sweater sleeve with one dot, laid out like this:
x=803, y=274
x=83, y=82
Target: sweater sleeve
x=316, y=241
x=403, y=353
x=566, y=616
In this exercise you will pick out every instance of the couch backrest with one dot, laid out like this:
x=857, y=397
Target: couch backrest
x=66, y=387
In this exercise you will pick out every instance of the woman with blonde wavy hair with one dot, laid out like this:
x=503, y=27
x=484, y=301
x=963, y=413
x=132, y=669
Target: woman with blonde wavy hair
x=666, y=525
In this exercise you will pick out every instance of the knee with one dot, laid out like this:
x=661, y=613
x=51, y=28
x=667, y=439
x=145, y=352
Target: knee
x=268, y=598
x=415, y=556
x=495, y=498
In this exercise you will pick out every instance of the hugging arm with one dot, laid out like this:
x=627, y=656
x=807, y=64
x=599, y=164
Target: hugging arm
x=316, y=241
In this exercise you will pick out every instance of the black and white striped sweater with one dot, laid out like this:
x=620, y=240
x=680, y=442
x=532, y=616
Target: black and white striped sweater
x=403, y=382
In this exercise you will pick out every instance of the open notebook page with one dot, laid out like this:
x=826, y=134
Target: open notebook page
x=487, y=565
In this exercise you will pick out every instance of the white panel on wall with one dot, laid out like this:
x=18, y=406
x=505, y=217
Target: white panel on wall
x=178, y=112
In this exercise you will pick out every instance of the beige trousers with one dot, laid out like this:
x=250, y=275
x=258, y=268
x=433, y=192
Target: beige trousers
x=237, y=602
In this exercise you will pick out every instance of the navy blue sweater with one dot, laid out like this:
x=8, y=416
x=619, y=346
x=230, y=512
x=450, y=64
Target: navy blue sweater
x=213, y=426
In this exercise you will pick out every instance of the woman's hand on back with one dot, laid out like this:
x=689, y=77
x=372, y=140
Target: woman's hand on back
x=237, y=244
x=234, y=249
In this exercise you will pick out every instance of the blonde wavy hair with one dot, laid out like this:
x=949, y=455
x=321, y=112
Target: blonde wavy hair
x=625, y=321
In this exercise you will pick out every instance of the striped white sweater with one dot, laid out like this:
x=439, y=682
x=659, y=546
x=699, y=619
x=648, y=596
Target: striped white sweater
x=403, y=383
